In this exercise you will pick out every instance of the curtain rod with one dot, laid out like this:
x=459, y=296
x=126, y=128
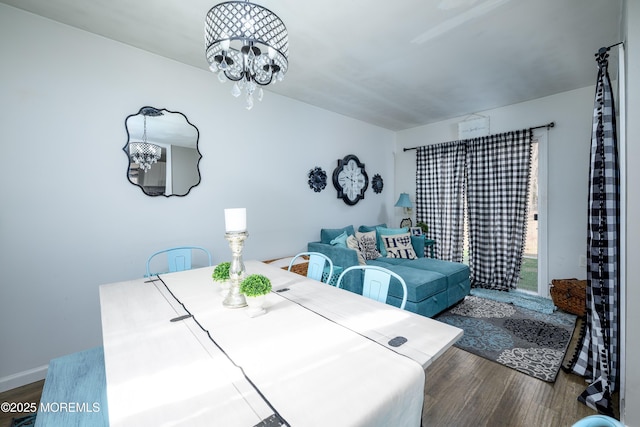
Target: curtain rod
x=606, y=49
x=548, y=125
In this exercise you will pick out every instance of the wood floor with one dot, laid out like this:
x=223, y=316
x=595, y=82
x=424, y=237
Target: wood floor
x=461, y=389
x=29, y=393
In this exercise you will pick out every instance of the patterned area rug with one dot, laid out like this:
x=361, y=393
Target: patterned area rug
x=519, y=298
x=529, y=341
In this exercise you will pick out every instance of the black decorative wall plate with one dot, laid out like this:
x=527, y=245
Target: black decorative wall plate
x=317, y=179
x=377, y=183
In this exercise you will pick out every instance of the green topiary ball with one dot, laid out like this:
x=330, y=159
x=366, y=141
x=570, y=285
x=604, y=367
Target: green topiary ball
x=255, y=285
x=221, y=272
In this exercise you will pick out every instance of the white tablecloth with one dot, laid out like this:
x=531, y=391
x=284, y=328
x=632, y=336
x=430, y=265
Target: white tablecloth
x=320, y=356
x=162, y=373
x=426, y=338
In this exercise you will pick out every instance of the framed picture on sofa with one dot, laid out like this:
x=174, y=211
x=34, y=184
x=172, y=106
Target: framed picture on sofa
x=416, y=231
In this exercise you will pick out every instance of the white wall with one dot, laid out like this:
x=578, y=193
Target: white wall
x=70, y=220
x=631, y=415
x=568, y=165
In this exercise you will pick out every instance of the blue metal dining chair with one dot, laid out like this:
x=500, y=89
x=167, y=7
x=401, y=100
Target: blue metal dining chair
x=598, y=421
x=375, y=284
x=317, y=263
x=178, y=259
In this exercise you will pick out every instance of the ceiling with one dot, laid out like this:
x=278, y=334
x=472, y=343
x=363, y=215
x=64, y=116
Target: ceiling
x=395, y=64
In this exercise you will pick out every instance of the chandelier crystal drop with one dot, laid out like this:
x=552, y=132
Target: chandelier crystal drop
x=247, y=44
x=143, y=153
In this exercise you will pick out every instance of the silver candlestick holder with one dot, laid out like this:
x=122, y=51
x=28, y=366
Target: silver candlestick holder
x=237, y=273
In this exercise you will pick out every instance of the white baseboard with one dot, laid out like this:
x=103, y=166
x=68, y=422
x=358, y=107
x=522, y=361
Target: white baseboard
x=23, y=378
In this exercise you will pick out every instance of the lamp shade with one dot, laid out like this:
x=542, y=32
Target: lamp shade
x=404, y=201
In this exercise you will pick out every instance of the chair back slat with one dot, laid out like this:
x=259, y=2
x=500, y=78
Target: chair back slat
x=376, y=282
x=376, y=285
x=316, y=265
x=178, y=259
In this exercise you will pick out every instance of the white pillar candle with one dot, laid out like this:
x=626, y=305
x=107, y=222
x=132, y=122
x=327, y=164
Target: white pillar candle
x=235, y=220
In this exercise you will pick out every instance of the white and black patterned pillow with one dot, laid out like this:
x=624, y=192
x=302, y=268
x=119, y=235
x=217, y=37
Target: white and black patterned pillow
x=399, y=246
x=352, y=243
x=367, y=245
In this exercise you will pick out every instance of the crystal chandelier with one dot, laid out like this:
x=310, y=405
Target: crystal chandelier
x=143, y=153
x=248, y=44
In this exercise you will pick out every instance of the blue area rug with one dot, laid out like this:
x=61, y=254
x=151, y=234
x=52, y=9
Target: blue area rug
x=519, y=298
x=526, y=340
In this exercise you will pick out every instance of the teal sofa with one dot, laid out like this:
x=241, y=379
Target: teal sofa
x=433, y=285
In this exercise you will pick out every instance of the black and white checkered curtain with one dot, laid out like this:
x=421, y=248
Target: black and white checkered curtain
x=598, y=358
x=440, y=176
x=498, y=169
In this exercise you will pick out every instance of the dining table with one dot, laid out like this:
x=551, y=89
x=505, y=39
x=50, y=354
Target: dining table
x=320, y=356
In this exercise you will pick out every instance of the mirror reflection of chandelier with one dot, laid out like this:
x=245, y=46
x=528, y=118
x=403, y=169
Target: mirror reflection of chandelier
x=143, y=153
x=248, y=44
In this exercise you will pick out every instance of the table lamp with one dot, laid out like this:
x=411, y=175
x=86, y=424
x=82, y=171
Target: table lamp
x=404, y=202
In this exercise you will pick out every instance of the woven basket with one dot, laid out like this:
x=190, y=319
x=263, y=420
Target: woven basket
x=570, y=295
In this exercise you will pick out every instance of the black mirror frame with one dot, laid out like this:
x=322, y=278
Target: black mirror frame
x=126, y=150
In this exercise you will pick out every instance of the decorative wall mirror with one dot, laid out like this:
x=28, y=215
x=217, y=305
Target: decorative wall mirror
x=162, y=152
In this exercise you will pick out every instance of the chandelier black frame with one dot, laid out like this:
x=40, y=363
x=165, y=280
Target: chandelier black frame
x=246, y=43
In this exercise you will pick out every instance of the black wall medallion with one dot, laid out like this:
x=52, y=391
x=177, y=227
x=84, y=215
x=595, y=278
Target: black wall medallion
x=377, y=183
x=317, y=179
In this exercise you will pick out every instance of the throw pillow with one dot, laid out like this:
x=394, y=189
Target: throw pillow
x=352, y=243
x=399, y=246
x=367, y=228
x=367, y=244
x=328, y=234
x=341, y=240
x=384, y=231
